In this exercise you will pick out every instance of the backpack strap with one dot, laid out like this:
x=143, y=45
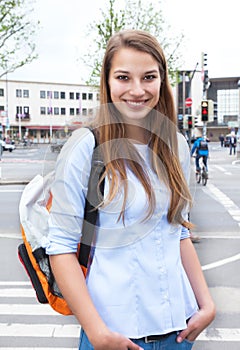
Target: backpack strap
x=93, y=199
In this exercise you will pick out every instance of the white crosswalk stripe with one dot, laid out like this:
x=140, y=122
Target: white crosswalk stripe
x=27, y=324
x=37, y=327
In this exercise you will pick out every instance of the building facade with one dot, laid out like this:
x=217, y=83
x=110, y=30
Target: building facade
x=43, y=111
x=225, y=94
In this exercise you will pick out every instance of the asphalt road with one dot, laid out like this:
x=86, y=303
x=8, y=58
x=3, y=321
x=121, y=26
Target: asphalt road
x=215, y=212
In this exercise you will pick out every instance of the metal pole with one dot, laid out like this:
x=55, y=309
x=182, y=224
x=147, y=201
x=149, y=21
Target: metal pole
x=238, y=133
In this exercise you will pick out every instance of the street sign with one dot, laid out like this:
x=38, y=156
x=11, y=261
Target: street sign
x=188, y=102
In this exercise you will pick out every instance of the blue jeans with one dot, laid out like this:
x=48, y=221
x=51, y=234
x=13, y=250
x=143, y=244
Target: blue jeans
x=166, y=344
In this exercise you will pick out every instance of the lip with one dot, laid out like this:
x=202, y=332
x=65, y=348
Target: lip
x=136, y=104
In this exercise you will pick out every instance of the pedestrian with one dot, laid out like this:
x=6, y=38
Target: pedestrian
x=232, y=144
x=145, y=287
x=221, y=139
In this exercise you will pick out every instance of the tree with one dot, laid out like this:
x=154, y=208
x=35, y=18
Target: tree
x=16, y=31
x=135, y=16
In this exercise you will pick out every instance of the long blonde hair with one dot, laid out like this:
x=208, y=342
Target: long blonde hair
x=118, y=156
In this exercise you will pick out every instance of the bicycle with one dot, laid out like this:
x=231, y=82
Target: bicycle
x=202, y=175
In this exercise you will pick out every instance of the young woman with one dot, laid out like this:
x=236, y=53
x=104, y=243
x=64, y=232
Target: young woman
x=145, y=287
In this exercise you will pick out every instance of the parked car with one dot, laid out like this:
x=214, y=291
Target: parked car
x=7, y=146
x=56, y=147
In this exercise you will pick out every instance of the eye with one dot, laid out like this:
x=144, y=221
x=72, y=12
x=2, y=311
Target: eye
x=122, y=77
x=149, y=77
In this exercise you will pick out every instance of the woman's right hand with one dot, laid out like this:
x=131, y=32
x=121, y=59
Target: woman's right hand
x=114, y=341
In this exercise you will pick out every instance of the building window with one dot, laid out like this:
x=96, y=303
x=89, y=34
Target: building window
x=228, y=105
x=49, y=94
x=84, y=111
x=26, y=115
x=71, y=111
x=42, y=94
x=84, y=96
x=1, y=92
x=71, y=95
x=56, y=95
x=49, y=110
x=1, y=108
x=26, y=93
x=63, y=111
x=90, y=96
x=18, y=93
x=77, y=111
x=98, y=97
x=77, y=95
x=56, y=111
x=42, y=110
x=62, y=95
x=19, y=110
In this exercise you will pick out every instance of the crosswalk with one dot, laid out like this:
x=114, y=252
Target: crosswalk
x=27, y=325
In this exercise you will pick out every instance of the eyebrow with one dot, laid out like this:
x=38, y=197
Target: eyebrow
x=127, y=72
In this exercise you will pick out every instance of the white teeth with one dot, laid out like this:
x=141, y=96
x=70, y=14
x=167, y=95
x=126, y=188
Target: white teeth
x=135, y=103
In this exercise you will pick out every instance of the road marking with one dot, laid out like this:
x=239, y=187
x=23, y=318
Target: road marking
x=36, y=348
x=28, y=309
x=15, y=283
x=17, y=293
x=220, y=334
x=11, y=235
x=221, y=262
x=11, y=191
x=40, y=330
x=73, y=331
x=223, y=199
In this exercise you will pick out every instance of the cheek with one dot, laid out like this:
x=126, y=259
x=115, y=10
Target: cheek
x=116, y=90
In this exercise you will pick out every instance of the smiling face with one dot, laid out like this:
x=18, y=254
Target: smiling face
x=134, y=82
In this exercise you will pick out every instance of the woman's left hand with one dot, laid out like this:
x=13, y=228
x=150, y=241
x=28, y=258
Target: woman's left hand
x=197, y=323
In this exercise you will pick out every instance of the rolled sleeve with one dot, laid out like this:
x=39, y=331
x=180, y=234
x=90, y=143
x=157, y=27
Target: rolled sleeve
x=69, y=192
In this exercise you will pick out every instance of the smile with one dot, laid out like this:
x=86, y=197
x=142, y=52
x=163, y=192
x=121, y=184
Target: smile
x=136, y=103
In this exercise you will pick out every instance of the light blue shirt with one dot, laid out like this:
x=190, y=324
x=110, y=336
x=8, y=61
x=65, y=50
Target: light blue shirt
x=136, y=280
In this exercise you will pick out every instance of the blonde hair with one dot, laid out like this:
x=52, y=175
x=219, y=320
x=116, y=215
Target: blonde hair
x=118, y=152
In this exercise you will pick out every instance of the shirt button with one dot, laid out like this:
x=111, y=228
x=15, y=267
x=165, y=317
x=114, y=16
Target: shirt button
x=165, y=296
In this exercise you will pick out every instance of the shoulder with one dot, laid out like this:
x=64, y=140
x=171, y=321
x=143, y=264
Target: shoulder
x=81, y=141
x=77, y=151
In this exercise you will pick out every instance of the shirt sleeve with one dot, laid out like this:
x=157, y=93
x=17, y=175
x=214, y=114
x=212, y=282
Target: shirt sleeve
x=184, y=155
x=69, y=191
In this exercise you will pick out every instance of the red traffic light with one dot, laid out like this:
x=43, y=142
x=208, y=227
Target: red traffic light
x=204, y=111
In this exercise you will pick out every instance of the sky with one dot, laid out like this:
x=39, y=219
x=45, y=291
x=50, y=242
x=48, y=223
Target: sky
x=208, y=26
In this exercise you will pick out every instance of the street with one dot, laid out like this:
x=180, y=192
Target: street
x=24, y=323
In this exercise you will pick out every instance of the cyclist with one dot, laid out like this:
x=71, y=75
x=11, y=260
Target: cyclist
x=200, y=146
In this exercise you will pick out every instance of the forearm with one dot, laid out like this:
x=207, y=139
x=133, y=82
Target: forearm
x=71, y=282
x=195, y=275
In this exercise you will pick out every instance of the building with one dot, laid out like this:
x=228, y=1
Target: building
x=225, y=94
x=43, y=111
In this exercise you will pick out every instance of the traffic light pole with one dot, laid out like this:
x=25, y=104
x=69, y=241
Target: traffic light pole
x=204, y=63
x=238, y=133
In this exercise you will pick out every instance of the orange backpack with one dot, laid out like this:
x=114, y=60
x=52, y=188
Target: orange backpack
x=34, y=209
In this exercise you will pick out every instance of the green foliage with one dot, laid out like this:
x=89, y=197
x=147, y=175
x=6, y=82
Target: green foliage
x=138, y=14
x=16, y=31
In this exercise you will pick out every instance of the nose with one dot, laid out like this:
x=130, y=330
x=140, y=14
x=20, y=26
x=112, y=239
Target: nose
x=136, y=88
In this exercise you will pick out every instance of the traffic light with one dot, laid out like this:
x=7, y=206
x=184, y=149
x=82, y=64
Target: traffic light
x=204, y=60
x=205, y=80
x=180, y=122
x=196, y=121
x=190, y=122
x=204, y=111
